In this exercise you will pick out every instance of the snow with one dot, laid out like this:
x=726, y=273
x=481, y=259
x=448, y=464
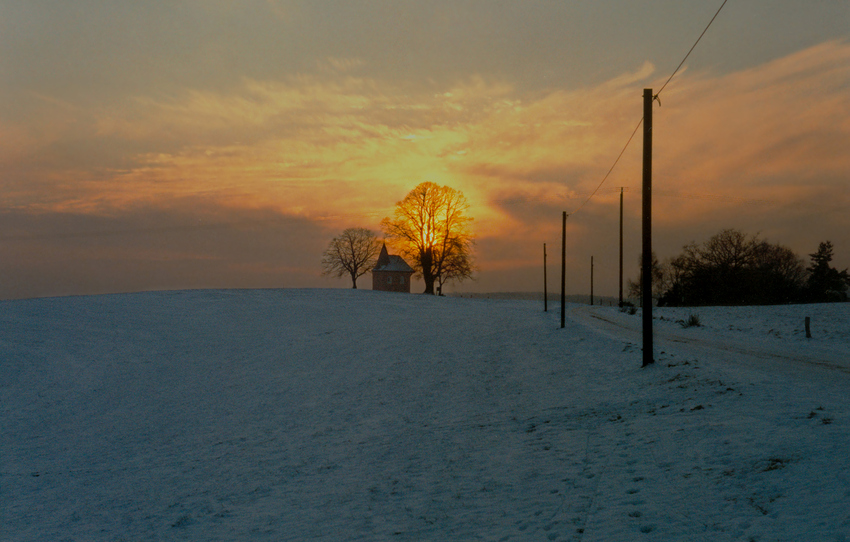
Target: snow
x=360, y=415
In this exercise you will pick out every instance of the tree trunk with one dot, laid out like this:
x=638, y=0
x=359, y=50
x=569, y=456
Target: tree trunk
x=427, y=260
x=353, y=281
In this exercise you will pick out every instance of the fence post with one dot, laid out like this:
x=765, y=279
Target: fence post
x=563, y=270
x=545, y=282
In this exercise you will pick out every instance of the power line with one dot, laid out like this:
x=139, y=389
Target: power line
x=723, y=198
x=690, y=51
x=655, y=97
x=612, y=166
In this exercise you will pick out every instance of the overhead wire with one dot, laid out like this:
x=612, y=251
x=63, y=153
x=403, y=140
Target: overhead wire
x=654, y=97
x=672, y=75
x=626, y=146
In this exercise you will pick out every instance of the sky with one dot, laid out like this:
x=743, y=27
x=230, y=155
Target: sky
x=223, y=144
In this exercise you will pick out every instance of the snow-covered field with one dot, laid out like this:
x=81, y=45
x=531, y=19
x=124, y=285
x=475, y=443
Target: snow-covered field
x=359, y=415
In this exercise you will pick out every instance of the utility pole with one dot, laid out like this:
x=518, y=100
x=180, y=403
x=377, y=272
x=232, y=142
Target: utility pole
x=591, y=280
x=563, y=269
x=545, y=282
x=621, y=247
x=646, y=260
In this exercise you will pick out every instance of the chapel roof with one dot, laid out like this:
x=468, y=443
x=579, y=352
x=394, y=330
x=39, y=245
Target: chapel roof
x=391, y=262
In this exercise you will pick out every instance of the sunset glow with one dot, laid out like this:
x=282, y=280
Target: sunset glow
x=242, y=180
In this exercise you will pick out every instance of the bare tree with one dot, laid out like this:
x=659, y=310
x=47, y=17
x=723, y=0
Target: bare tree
x=354, y=252
x=430, y=228
x=457, y=266
x=635, y=289
x=733, y=268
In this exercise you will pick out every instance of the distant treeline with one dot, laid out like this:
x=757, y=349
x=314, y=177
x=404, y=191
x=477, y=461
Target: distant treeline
x=733, y=268
x=535, y=296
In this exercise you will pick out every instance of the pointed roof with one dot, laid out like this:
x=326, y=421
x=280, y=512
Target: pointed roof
x=391, y=262
x=383, y=257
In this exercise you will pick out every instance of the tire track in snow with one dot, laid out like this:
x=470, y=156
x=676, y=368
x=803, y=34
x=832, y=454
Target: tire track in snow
x=630, y=331
x=687, y=491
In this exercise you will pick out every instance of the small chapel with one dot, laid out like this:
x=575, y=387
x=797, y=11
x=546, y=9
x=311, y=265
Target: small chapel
x=391, y=273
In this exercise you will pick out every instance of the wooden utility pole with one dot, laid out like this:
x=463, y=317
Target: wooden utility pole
x=563, y=270
x=646, y=260
x=545, y=283
x=591, y=280
x=621, y=247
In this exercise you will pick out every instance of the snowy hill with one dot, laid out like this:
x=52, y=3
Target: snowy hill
x=359, y=415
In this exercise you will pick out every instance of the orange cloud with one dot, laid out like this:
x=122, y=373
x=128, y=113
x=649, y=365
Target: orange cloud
x=341, y=150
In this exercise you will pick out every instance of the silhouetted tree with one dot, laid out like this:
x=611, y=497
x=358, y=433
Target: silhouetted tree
x=458, y=266
x=635, y=289
x=776, y=275
x=825, y=283
x=431, y=229
x=354, y=252
x=733, y=268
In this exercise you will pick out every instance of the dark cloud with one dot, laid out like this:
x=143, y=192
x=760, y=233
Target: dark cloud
x=94, y=51
x=190, y=245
